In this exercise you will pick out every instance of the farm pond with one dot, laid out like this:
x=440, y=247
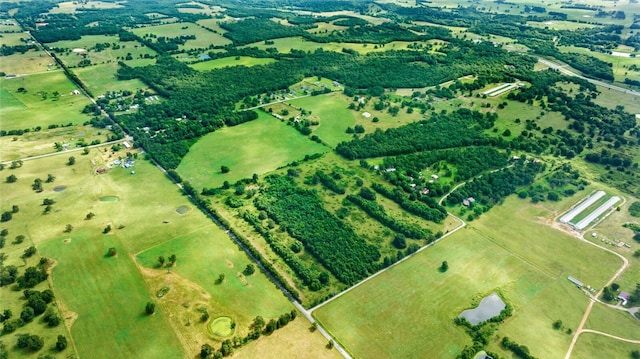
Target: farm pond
x=489, y=307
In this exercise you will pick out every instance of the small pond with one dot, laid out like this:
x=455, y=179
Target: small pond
x=109, y=199
x=489, y=307
x=59, y=188
x=182, y=209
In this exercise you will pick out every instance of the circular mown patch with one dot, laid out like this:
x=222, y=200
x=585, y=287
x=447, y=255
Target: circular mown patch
x=182, y=209
x=109, y=199
x=221, y=327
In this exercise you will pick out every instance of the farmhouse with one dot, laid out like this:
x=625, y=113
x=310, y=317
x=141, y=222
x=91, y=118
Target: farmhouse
x=624, y=297
x=576, y=282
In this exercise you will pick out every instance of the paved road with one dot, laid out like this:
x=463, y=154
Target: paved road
x=563, y=69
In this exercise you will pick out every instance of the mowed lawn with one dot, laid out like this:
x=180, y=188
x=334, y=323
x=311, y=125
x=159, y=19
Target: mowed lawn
x=259, y=146
x=109, y=296
x=39, y=107
x=231, y=61
x=331, y=110
x=205, y=254
x=409, y=310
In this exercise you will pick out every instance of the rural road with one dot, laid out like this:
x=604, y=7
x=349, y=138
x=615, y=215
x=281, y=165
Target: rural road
x=563, y=69
x=611, y=336
x=65, y=151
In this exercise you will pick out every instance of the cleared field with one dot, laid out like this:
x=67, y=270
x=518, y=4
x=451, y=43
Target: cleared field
x=610, y=98
x=204, y=38
x=258, y=146
x=12, y=39
x=231, y=61
x=70, y=7
x=28, y=63
x=245, y=297
x=619, y=64
x=42, y=142
x=285, y=45
x=116, y=300
x=41, y=107
x=561, y=25
x=614, y=322
x=332, y=113
x=130, y=52
x=594, y=346
x=102, y=78
x=392, y=315
x=293, y=341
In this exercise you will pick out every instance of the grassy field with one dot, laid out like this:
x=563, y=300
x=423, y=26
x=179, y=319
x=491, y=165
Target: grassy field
x=42, y=142
x=204, y=38
x=231, y=61
x=12, y=39
x=285, y=45
x=614, y=322
x=610, y=98
x=28, y=63
x=39, y=102
x=414, y=300
x=561, y=25
x=594, y=346
x=619, y=64
x=111, y=292
x=258, y=147
x=70, y=7
x=102, y=78
x=332, y=113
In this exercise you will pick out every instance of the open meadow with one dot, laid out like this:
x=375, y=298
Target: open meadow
x=414, y=300
x=331, y=112
x=102, y=78
x=285, y=45
x=231, y=61
x=31, y=62
x=40, y=100
x=595, y=346
x=258, y=146
x=203, y=37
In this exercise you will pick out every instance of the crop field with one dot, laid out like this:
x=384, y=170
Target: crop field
x=332, y=113
x=258, y=146
x=530, y=273
x=38, y=101
x=204, y=38
x=231, y=61
x=102, y=78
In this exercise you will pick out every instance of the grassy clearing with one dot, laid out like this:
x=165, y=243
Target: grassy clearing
x=102, y=78
x=39, y=101
x=70, y=7
x=614, y=322
x=293, y=341
x=285, y=45
x=204, y=38
x=245, y=296
x=491, y=254
x=231, y=61
x=258, y=147
x=109, y=291
x=12, y=39
x=332, y=113
x=594, y=346
x=28, y=63
x=620, y=64
x=610, y=98
x=42, y=142
x=561, y=25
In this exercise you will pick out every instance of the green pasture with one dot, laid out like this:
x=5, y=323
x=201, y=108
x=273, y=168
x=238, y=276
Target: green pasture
x=285, y=45
x=109, y=291
x=85, y=42
x=611, y=98
x=204, y=38
x=619, y=63
x=613, y=321
x=258, y=146
x=205, y=254
x=561, y=25
x=213, y=24
x=33, y=61
x=9, y=25
x=594, y=346
x=42, y=142
x=507, y=250
x=39, y=106
x=70, y=7
x=100, y=79
x=136, y=50
x=210, y=10
x=332, y=113
x=12, y=39
x=231, y=61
